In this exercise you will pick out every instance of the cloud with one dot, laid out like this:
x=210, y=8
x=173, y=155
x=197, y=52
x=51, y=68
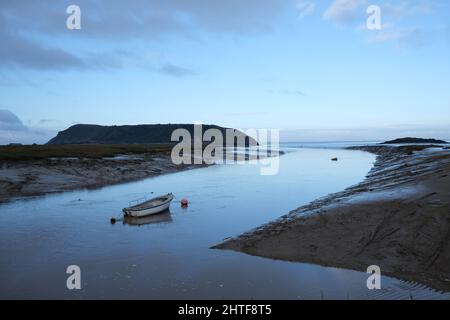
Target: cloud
x=9, y=121
x=20, y=52
x=147, y=18
x=289, y=92
x=403, y=39
x=344, y=11
x=407, y=8
x=12, y=130
x=34, y=35
x=385, y=36
x=48, y=121
x=175, y=71
x=400, y=29
x=39, y=136
x=408, y=36
x=401, y=24
x=305, y=8
x=293, y=92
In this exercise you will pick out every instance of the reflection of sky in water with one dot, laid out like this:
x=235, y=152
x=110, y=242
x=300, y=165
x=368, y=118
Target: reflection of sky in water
x=40, y=237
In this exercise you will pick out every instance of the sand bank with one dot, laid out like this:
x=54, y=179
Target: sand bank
x=397, y=218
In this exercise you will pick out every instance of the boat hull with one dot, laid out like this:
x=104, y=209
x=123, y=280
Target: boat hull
x=147, y=212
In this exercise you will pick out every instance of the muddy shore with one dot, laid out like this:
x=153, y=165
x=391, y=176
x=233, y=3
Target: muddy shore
x=20, y=179
x=27, y=171
x=398, y=218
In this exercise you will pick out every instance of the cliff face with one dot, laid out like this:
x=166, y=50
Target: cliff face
x=154, y=133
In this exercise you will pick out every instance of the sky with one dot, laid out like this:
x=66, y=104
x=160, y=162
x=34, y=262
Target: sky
x=309, y=68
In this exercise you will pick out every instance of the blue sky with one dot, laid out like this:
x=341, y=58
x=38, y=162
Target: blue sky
x=309, y=68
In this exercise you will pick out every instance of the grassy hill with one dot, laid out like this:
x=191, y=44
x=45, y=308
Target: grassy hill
x=133, y=134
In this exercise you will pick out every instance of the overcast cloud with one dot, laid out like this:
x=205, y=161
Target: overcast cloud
x=22, y=23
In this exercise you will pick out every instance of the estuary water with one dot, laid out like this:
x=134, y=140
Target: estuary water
x=169, y=256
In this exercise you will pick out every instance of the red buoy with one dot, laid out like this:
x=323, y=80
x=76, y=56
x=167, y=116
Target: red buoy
x=184, y=202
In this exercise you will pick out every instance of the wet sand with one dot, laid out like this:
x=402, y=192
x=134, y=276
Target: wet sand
x=398, y=218
x=20, y=179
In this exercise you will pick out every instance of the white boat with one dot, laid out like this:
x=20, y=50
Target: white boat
x=149, y=207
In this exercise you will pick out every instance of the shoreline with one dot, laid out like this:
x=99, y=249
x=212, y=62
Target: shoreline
x=31, y=172
x=31, y=178
x=398, y=218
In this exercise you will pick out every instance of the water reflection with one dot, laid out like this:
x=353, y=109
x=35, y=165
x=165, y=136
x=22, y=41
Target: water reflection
x=164, y=217
x=169, y=256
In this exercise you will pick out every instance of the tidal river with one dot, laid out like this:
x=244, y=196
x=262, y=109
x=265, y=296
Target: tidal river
x=168, y=257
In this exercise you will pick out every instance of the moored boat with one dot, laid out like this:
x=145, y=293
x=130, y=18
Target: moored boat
x=149, y=207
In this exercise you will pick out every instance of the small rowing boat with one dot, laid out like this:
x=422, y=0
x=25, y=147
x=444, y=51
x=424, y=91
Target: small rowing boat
x=149, y=207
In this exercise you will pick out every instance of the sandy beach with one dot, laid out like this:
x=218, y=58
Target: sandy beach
x=398, y=218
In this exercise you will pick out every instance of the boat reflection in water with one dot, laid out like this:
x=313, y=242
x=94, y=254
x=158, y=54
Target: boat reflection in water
x=163, y=217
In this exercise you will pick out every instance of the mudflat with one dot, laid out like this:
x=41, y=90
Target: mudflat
x=398, y=218
x=38, y=170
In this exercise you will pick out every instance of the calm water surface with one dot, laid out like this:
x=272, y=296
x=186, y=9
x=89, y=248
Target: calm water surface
x=170, y=258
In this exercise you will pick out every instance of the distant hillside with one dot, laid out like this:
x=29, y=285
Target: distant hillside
x=414, y=140
x=134, y=134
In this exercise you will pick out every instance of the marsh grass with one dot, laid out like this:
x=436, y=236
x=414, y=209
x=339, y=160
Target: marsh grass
x=95, y=151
